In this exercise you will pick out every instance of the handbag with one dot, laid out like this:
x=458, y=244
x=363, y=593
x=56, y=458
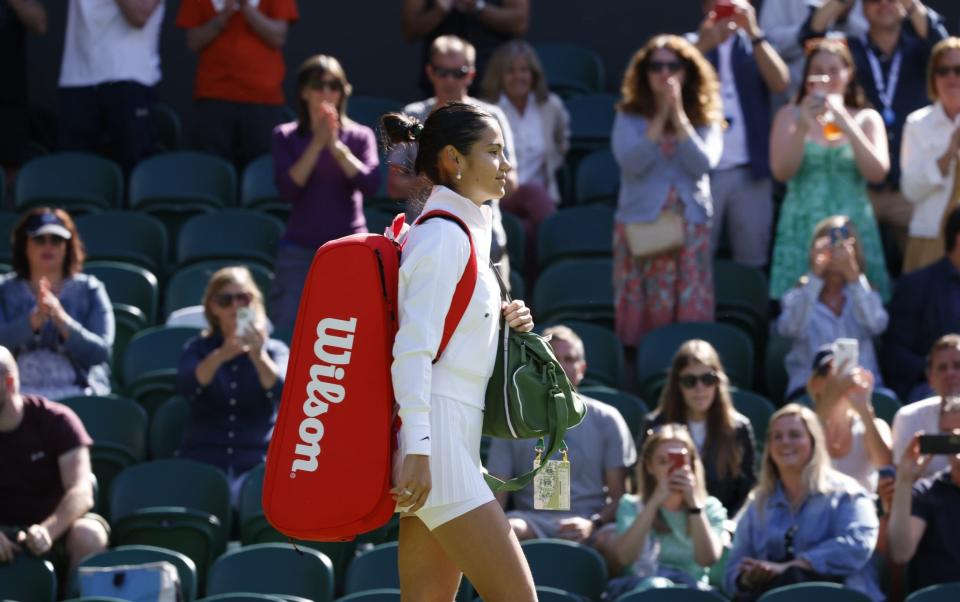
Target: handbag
x=528, y=395
x=661, y=236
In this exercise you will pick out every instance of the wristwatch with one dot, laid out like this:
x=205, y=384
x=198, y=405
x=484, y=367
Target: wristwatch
x=760, y=39
x=694, y=509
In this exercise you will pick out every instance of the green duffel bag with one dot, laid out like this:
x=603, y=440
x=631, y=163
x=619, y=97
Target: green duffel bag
x=528, y=396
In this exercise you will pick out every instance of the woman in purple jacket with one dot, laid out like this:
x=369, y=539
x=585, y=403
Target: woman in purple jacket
x=323, y=164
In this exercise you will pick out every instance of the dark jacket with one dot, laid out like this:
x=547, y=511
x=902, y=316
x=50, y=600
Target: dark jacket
x=732, y=492
x=925, y=306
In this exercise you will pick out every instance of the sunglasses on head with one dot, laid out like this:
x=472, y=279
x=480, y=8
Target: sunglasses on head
x=458, y=73
x=48, y=239
x=671, y=66
x=227, y=299
x=689, y=381
x=330, y=85
x=945, y=70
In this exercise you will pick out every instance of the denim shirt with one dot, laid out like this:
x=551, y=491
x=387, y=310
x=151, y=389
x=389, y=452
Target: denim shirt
x=836, y=532
x=89, y=319
x=231, y=417
x=647, y=173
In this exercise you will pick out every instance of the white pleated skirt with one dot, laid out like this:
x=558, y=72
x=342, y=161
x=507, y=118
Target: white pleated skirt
x=455, y=468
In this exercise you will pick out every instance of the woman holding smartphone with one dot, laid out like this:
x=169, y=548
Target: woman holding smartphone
x=450, y=524
x=697, y=395
x=833, y=300
x=826, y=146
x=672, y=528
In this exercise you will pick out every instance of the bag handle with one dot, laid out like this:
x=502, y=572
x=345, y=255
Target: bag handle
x=464, y=291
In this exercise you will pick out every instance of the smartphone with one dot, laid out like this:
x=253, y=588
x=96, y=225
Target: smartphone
x=678, y=459
x=846, y=355
x=940, y=444
x=723, y=9
x=244, y=320
x=839, y=235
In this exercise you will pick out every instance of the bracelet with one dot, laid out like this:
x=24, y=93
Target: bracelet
x=694, y=509
x=760, y=39
x=597, y=521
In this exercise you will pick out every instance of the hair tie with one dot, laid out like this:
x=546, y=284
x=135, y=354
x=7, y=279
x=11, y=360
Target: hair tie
x=415, y=131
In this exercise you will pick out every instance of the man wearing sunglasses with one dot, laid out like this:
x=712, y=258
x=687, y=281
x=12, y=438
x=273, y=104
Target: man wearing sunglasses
x=750, y=70
x=891, y=66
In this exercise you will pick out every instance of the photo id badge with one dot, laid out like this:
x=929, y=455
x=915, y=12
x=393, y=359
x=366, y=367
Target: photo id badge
x=551, y=486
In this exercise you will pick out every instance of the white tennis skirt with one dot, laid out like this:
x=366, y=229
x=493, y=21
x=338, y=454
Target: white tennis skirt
x=455, y=469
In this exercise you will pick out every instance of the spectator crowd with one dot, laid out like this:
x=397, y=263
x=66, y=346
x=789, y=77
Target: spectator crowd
x=813, y=144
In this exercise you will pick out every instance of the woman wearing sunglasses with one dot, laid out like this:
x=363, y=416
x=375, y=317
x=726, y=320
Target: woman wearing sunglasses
x=827, y=145
x=324, y=165
x=697, y=395
x=833, y=300
x=232, y=376
x=667, y=136
x=57, y=321
x=804, y=521
x=931, y=146
x=672, y=528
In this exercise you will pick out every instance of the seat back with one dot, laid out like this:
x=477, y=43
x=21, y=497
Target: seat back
x=566, y=565
x=885, y=407
x=383, y=594
x=671, y=594
x=28, y=579
x=758, y=409
x=575, y=232
x=516, y=241
x=183, y=177
x=602, y=351
x=659, y=345
x=821, y=592
x=597, y=179
x=571, y=69
x=577, y=289
x=78, y=182
x=128, y=284
x=167, y=427
x=373, y=569
x=367, y=110
x=167, y=128
x=186, y=286
x=775, y=369
x=121, y=555
x=8, y=221
x=273, y=568
x=155, y=351
x=242, y=235
x=633, y=409
x=941, y=592
x=258, y=190
x=591, y=121
x=127, y=236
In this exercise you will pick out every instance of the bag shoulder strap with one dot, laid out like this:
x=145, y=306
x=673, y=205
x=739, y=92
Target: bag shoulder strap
x=468, y=281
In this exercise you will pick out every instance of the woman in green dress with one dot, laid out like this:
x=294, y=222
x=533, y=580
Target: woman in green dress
x=826, y=146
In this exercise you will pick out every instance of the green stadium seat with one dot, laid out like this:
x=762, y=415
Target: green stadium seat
x=518, y=286
x=821, y=592
x=28, y=579
x=571, y=69
x=597, y=180
x=942, y=592
x=566, y=565
x=186, y=569
x=550, y=594
x=367, y=110
x=242, y=236
x=78, y=182
x=244, y=597
x=167, y=426
x=186, y=285
x=95, y=599
x=758, y=409
x=742, y=298
x=176, y=186
x=150, y=364
x=575, y=289
x=657, y=348
x=273, y=568
x=254, y=528
x=591, y=121
x=118, y=427
x=128, y=284
x=126, y=236
x=379, y=218
x=375, y=568
x=776, y=372
x=576, y=232
x=258, y=190
x=603, y=352
x=383, y=594
x=671, y=594
x=885, y=406
x=177, y=504
x=167, y=128
x=8, y=221
x=516, y=241
x=632, y=408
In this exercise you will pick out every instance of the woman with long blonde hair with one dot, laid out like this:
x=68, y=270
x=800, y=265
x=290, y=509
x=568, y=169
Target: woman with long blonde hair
x=672, y=528
x=804, y=521
x=697, y=395
x=667, y=136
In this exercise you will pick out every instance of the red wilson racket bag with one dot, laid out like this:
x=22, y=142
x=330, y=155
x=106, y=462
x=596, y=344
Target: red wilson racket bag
x=328, y=473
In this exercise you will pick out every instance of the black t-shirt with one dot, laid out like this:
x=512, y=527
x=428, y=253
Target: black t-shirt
x=30, y=483
x=13, y=57
x=936, y=500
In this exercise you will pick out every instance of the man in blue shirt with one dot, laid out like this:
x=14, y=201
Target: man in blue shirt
x=750, y=70
x=891, y=61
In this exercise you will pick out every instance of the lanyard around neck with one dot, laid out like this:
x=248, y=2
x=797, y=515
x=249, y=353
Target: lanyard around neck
x=885, y=91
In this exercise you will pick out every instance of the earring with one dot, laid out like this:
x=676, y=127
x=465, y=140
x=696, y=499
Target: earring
x=459, y=175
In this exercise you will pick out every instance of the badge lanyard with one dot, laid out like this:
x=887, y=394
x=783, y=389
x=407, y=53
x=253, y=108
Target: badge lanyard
x=886, y=92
